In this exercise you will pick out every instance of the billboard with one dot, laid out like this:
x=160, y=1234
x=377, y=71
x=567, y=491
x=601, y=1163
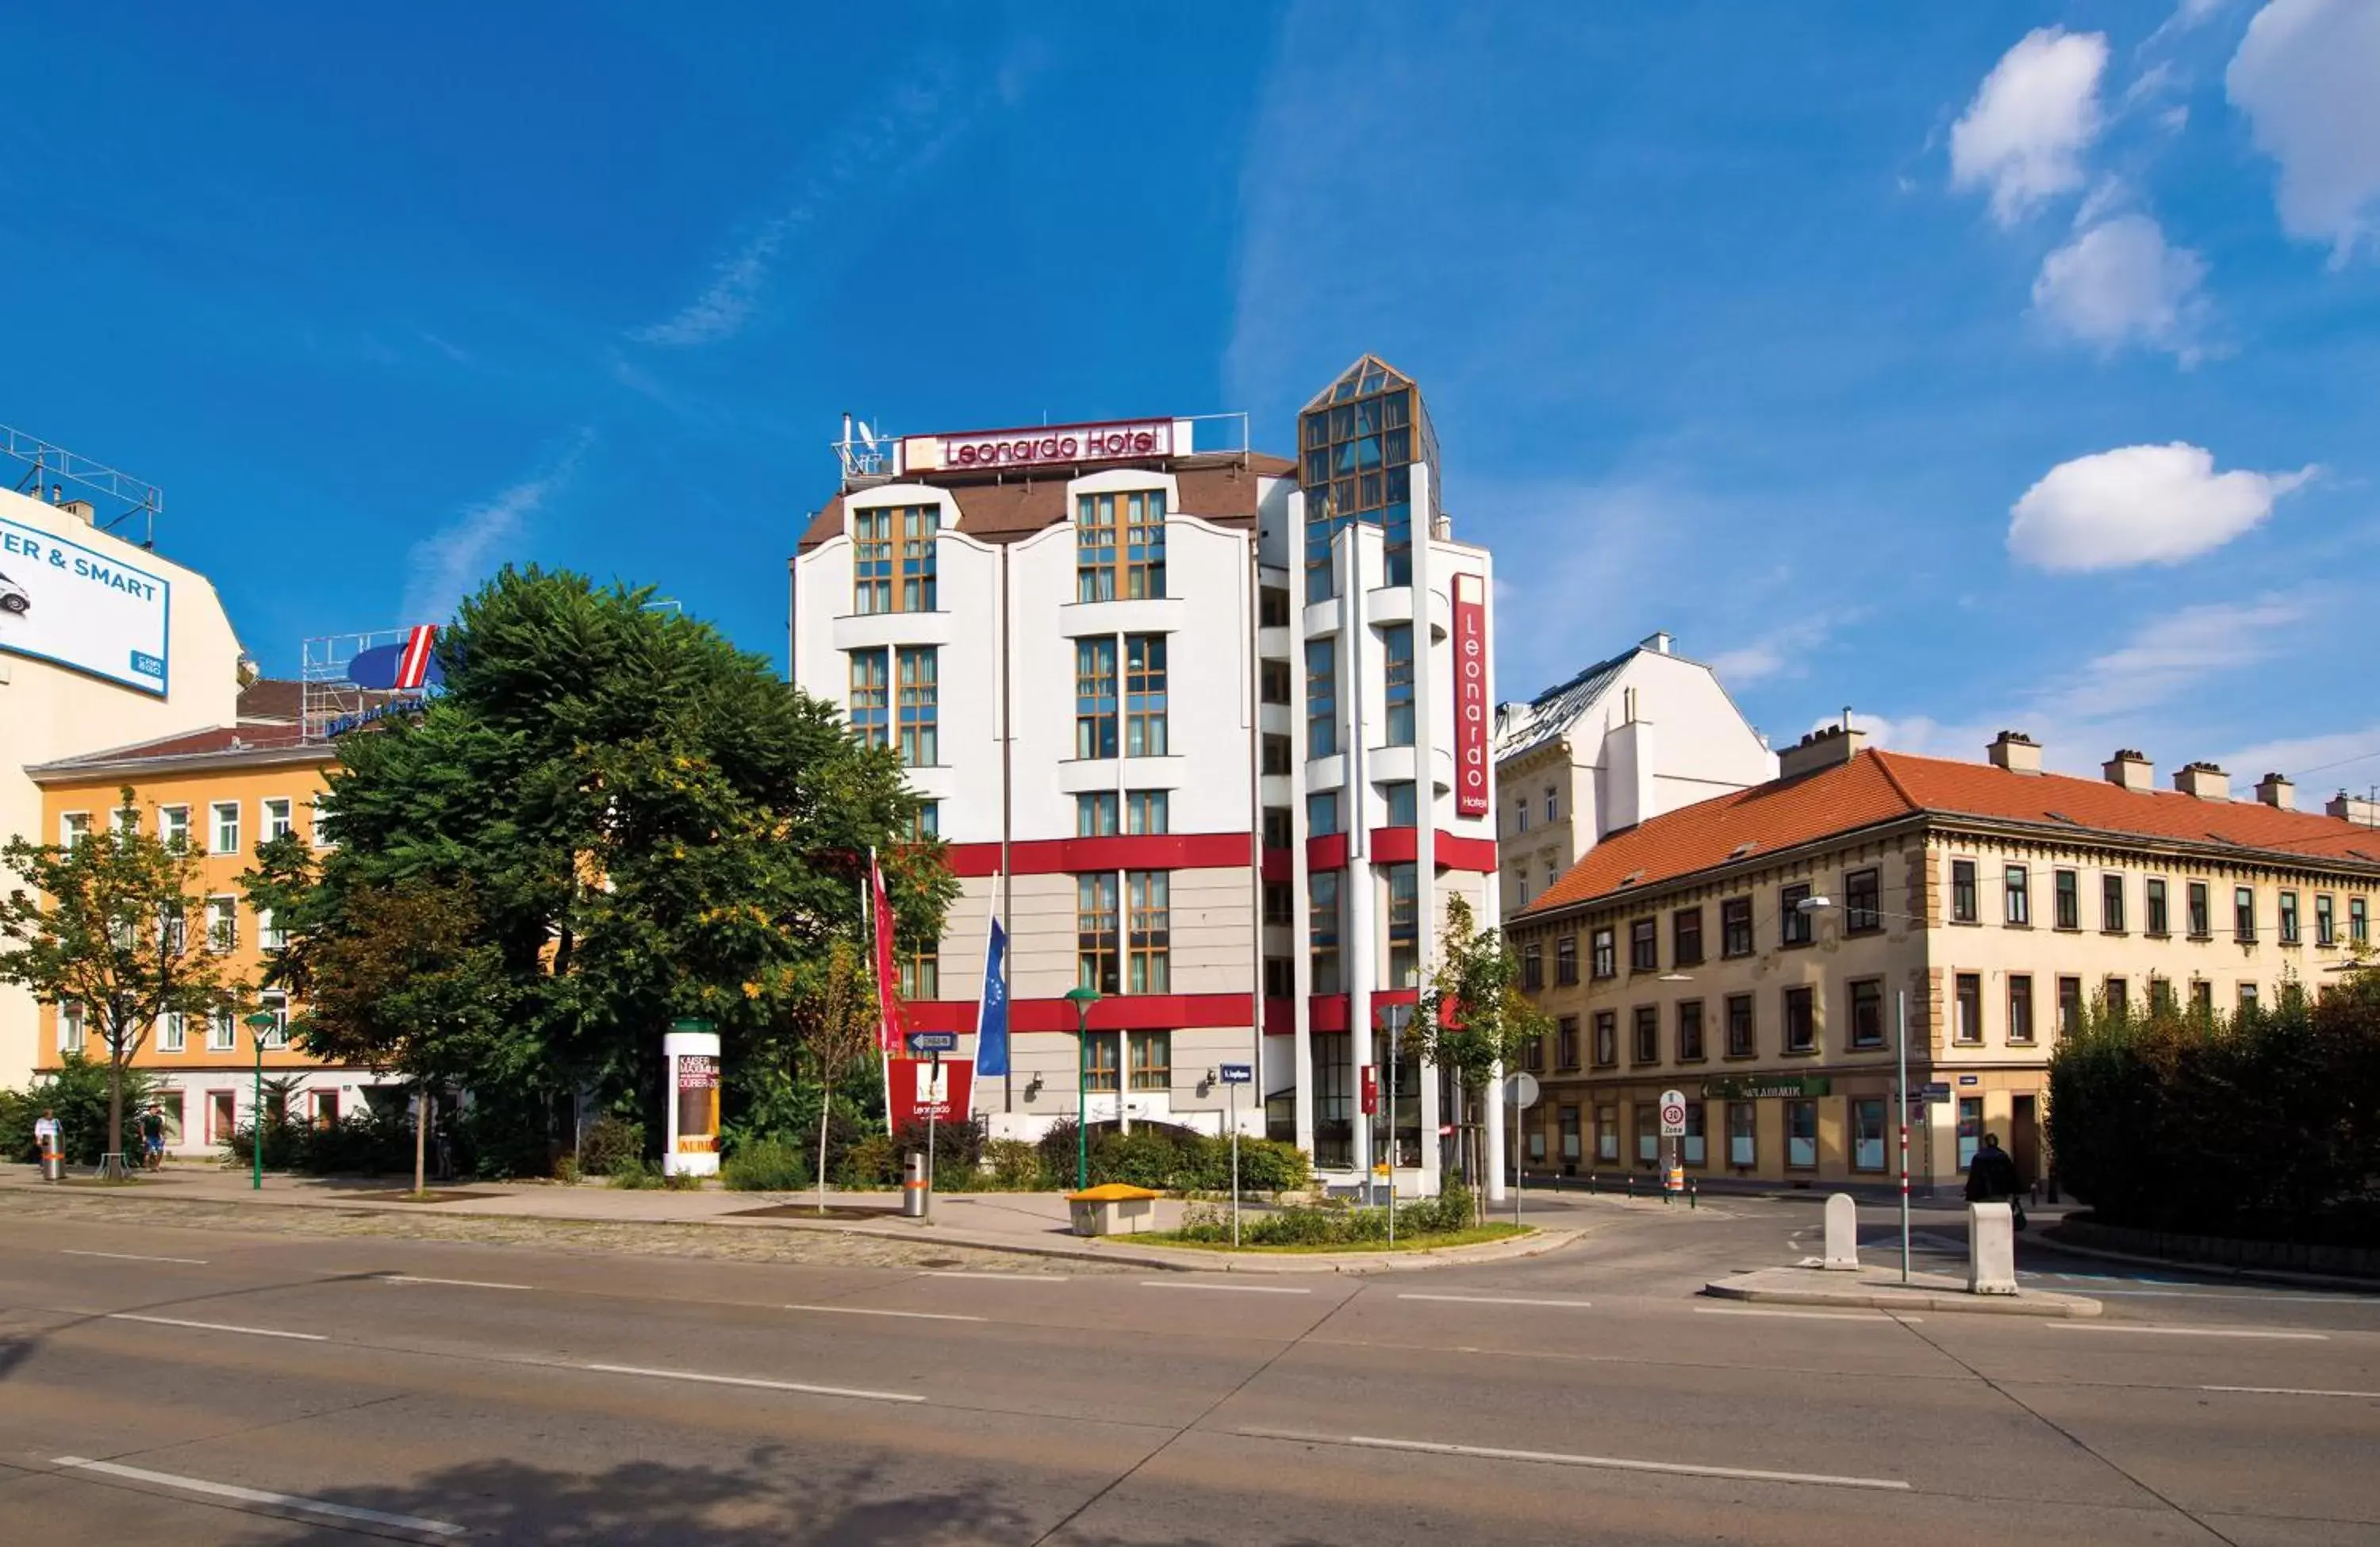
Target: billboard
x=1470, y=706
x=81, y=607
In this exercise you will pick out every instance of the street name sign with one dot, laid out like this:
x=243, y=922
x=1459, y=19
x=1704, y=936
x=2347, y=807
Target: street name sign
x=1237, y=1074
x=933, y=1041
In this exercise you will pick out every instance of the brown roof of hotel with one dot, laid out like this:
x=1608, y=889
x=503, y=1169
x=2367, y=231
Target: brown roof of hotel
x=1880, y=787
x=228, y=742
x=1018, y=506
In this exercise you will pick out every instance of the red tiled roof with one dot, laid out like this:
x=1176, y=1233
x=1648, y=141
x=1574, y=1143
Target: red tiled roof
x=271, y=698
x=1018, y=507
x=229, y=740
x=1877, y=786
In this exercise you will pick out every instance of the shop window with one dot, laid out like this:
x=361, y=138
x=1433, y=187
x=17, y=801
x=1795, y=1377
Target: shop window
x=1867, y=1134
x=1971, y=1129
x=1742, y=1134
x=1802, y=1135
x=1693, y=1148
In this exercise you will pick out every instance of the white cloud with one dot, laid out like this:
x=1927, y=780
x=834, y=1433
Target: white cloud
x=2315, y=763
x=2119, y=283
x=1780, y=652
x=2035, y=115
x=2139, y=505
x=444, y=565
x=2173, y=651
x=2305, y=76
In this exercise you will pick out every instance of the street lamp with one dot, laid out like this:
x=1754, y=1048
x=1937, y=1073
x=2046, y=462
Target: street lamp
x=1083, y=996
x=259, y=1023
x=1820, y=903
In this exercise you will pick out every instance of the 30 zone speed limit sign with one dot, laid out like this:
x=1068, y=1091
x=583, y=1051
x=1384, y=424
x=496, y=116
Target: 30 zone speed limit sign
x=1673, y=1114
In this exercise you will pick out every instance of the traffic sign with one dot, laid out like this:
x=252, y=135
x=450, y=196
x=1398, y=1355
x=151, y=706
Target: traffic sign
x=1937, y=1090
x=1673, y=1114
x=1237, y=1074
x=933, y=1041
x=1520, y=1090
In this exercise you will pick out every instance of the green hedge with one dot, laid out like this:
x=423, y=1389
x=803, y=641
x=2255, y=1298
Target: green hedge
x=1332, y=1224
x=2266, y=1124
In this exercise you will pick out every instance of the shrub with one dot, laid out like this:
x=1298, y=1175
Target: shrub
x=679, y=1181
x=566, y=1170
x=633, y=1173
x=1012, y=1165
x=873, y=1161
x=766, y=1165
x=608, y=1142
x=958, y=1147
x=77, y=1094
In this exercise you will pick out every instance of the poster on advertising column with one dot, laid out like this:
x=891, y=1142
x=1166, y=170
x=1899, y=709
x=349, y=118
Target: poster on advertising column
x=82, y=606
x=1470, y=696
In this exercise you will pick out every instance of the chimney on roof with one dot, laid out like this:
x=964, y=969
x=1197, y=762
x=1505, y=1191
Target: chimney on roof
x=1657, y=642
x=2129, y=770
x=2015, y=752
x=2354, y=808
x=2204, y=780
x=1828, y=747
x=2275, y=790
x=81, y=510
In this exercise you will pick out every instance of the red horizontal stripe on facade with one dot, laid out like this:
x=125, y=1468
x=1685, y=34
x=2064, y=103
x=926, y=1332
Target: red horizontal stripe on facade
x=1280, y=1017
x=1465, y=854
x=1394, y=846
x=1164, y=851
x=1140, y=1012
x=1328, y=1012
x=1327, y=854
x=1278, y=864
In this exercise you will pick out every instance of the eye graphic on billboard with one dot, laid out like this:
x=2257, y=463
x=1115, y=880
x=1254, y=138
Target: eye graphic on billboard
x=83, y=607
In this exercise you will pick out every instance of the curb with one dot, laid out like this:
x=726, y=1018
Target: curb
x=1535, y=1245
x=2069, y=1307
x=2211, y=1270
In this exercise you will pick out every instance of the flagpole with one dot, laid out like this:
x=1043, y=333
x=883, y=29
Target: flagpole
x=883, y=1053
x=1008, y=1064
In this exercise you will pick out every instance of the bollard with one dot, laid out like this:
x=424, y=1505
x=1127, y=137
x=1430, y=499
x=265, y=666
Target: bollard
x=1631, y=1184
x=916, y=1202
x=1693, y=1194
x=1991, y=1249
x=1842, y=1234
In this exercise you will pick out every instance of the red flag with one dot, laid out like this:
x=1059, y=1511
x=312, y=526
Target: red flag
x=888, y=982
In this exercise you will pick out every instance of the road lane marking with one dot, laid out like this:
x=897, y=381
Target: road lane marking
x=216, y=1326
x=261, y=1496
x=1603, y=1463
x=746, y=1381
x=135, y=1257
x=871, y=1310
x=1242, y=1288
x=2195, y=1332
x=1007, y=1278
x=2292, y=1391
x=455, y=1282
x=1499, y=1299
x=1803, y=1315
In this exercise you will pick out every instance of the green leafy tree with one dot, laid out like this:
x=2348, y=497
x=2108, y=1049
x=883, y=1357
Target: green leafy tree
x=837, y=1022
x=107, y=922
x=1472, y=1019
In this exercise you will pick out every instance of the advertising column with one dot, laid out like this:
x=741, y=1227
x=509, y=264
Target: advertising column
x=690, y=1087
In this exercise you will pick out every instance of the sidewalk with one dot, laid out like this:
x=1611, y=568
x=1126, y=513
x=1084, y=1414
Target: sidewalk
x=1035, y=1223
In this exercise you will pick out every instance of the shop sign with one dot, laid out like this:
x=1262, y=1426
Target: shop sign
x=1056, y=444
x=1471, y=709
x=1751, y=1088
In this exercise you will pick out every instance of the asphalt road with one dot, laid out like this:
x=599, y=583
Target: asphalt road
x=196, y=1388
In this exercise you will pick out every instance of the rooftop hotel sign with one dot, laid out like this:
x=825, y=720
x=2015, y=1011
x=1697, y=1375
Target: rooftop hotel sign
x=1050, y=446
x=1470, y=696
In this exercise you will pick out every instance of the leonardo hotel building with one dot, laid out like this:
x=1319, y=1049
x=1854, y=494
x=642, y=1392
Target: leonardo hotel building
x=1209, y=728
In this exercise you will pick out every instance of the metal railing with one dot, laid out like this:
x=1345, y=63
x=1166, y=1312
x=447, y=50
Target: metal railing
x=48, y=469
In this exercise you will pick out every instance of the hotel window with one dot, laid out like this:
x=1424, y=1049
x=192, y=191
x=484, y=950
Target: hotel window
x=877, y=586
x=277, y=822
x=1106, y=569
x=1277, y=755
x=74, y=826
x=173, y=826
x=1280, y=905
x=1862, y=909
x=1533, y=966
x=2290, y=918
x=1094, y=698
x=1566, y=1044
x=918, y=667
x=1278, y=832
x=1566, y=960
x=2020, y=1008
x=2325, y=924
x=1645, y=945
x=1272, y=608
x=1357, y=452
x=2111, y=904
x=1095, y=814
x=2070, y=1005
x=2243, y=913
x=173, y=1032
x=1690, y=1031
x=1275, y=682
x=1867, y=1134
x=1648, y=1039
x=1602, y=954
x=1094, y=932
x=1962, y=891
x=1322, y=930
x=1735, y=927
x=1686, y=937
x=1743, y=1133
x=223, y=924
x=226, y=827
x=1152, y=1060
x=2201, y=924
x=871, y=699
x=1606, y=1039
x=1322, y=814
x=2359, y=923
x=1146, y=812
x=926, y=821
x=1151, y=933
x=1280, y=973
x=2067, y=899
x=1321, y=698
x=2119, y=998
x=920, y=973
x=1739, y=1038
x=1802, y=1135
x=1099, y=1064
x=871, y=561
x=222, y=1032
x=1607, y=1133
x=1397, y=648
x=1796, y=927
x=1403, y=809
x=2153, y=892
x=71, y=1028
x=1801, y=1021
x=270, y=935
x=1404, y=924
x=2247, y=999
x=1867, y=1014
x=1970, y=1028
x=1144, y=689
x=2019, y=884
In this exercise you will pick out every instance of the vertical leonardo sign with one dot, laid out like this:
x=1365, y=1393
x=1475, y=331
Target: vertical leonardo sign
x=1470, y=696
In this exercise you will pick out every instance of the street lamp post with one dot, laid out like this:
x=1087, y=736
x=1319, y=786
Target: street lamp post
x=1083, y=996
x=259, y=1024
x=1900, y=1040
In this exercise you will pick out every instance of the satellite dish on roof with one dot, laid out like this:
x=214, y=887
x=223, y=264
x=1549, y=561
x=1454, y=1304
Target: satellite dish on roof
x=867, y=434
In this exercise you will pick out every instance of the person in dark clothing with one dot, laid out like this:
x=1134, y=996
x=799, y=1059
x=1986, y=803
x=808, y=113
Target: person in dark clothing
x=1991, y=1178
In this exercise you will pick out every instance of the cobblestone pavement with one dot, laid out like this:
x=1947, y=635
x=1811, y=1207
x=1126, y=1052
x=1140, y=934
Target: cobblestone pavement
x=734, y=1242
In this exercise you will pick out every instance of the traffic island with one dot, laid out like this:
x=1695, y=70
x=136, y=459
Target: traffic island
x=1884, y=1289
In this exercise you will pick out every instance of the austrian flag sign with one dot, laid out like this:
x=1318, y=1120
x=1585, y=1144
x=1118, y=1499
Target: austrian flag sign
x=1471, y=710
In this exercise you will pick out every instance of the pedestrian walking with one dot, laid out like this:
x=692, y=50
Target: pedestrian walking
x=1991, y=1178
x=46, y=1133
x=153, y=1137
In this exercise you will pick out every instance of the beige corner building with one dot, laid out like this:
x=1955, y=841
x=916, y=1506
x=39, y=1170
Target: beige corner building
x=1757, y=951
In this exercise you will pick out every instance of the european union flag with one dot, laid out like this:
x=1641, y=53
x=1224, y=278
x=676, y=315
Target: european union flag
x=992, y=1017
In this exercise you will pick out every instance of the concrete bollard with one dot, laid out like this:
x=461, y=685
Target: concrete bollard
x=1991, y=1249
x=917, y=1202
x=1842, y=1234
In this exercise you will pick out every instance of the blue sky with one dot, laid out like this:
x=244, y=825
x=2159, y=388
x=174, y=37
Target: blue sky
x=1971, y=366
